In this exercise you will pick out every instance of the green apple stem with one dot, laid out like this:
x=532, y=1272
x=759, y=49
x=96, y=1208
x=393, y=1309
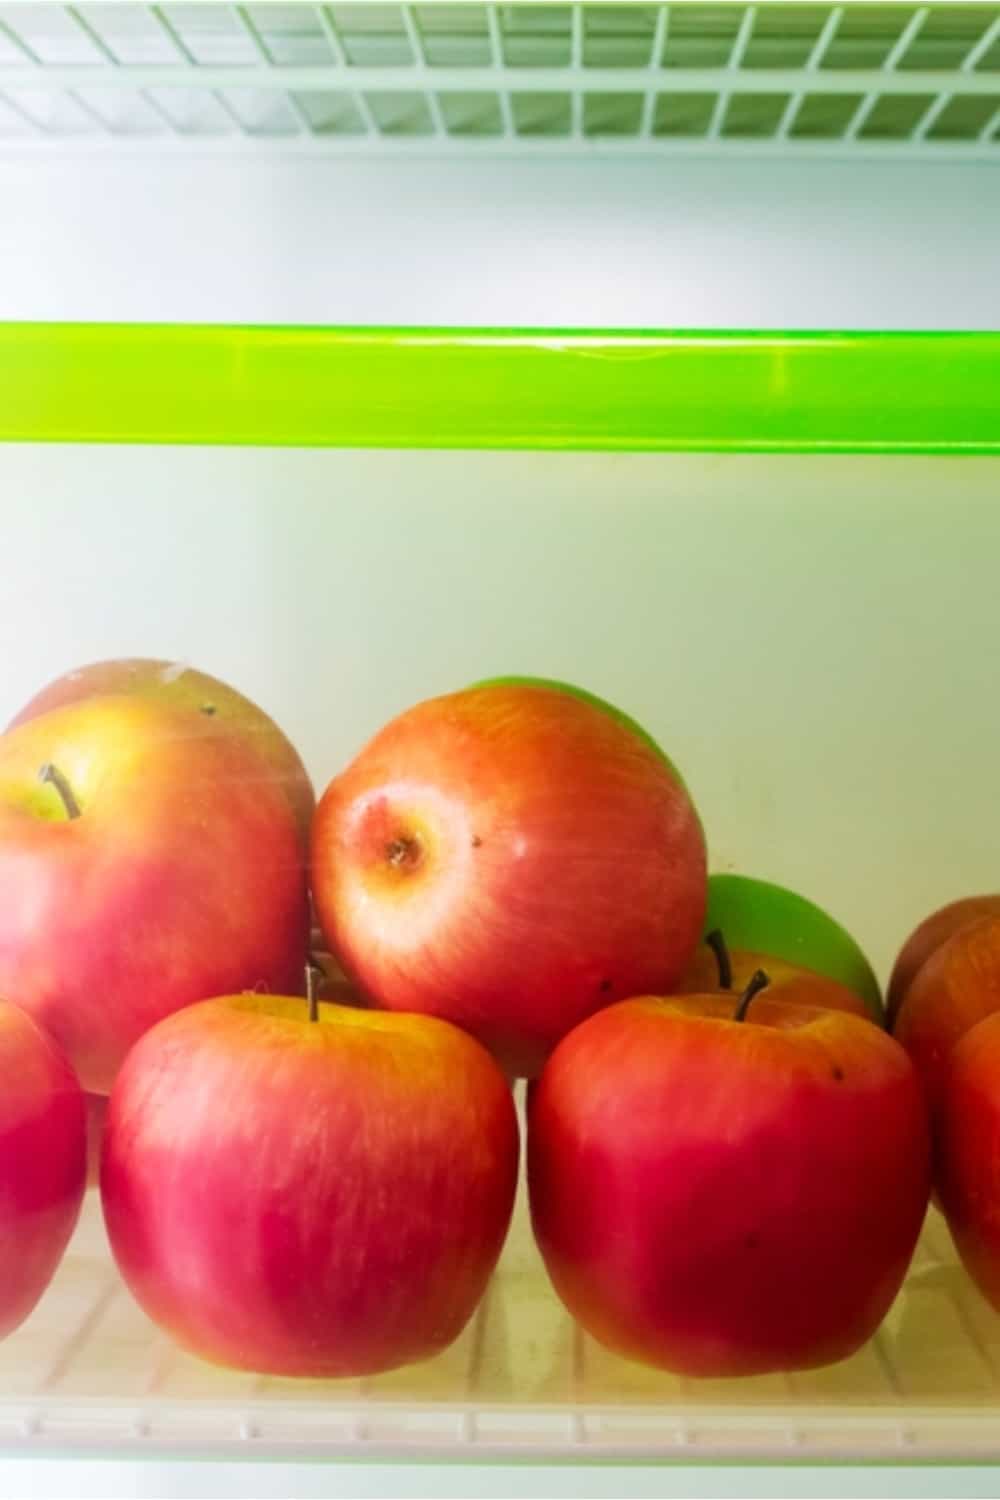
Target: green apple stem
x=758, y=982
x=311, y=972
x=54, y=777
x=717, y=943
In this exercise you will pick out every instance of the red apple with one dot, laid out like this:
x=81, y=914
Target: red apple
x=722, y=972
x=147, y=860
x=512, y=858
x=43, y=1162
x=958, y=985
x=303, y=1198
x=967, y=1150
x=722, y=1196
x=97, y=1109
x=180, y=685
x=926, y=938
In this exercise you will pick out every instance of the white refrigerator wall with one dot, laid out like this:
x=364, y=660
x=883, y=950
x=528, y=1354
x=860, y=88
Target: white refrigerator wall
x=597, y=240
x=812, y=639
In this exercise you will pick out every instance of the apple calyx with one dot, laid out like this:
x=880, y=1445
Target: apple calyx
x=52, y=776
x=758, y=981
x=717, y=943
x=403, y=852
x=312, y=971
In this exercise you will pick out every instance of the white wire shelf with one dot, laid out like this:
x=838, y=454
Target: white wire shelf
x=89, y=1372
x=355, y=77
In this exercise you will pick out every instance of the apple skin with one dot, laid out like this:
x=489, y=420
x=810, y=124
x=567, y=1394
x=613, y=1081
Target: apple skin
x=510, y=858
x=97, y=1109
x=926, y=938
x=317, y=1199
x=182, y=878
x=956, y=987
x=967, y=1147
x=183, y=687
x=43, y=1162
x=702, y=977
x=760, y=917
x=720, y=1198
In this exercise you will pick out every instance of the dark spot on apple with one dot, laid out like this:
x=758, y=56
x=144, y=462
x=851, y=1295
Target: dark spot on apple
x=476, y=841
x=838, y=1075
x=605, y=986
x=751, y=1240
x=207, y=708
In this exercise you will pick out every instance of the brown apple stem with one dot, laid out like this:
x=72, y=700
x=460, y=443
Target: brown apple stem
x=717, y=943
x=54, y=777
x=311, y=996
x=758, y=982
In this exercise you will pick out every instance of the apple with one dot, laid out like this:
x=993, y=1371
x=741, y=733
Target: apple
x=320, y=1197
x=719, y=1190
x=510, y=857
x=714, y=968
x=757, y=917
x=967, y=1130
x=178, y=684
x=147, y=860
x=927, y=937
x=957, y=986
x=43, y=1162
x=96, y=1106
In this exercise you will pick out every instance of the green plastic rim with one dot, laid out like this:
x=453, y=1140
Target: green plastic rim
x=440, y=388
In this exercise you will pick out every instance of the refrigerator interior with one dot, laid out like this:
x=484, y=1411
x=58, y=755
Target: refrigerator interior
x=809, y=633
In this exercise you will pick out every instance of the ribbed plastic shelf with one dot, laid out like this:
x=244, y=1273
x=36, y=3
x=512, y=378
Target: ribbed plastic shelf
x=89, y=1371
x=357, y=77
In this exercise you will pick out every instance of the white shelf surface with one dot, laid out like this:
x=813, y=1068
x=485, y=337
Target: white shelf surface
x=888, y=79
x=89, y=1373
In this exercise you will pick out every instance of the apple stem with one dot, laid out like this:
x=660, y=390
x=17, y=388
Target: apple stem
x=52, y=775
x=758, y=982
x=717, y=943
x=311, y=972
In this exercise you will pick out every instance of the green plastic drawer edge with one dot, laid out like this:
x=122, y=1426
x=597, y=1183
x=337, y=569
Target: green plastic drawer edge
x=483, y=388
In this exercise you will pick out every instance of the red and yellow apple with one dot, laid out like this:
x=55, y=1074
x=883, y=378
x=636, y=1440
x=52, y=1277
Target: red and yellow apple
x=183, y=687
x=717, y=1195
x=43, y=1162
x=511, y=858
x=715, y=968
x=956, y=987
x=147, y=860
x=967, y=1152
x=927, y=938
x=308, y=1198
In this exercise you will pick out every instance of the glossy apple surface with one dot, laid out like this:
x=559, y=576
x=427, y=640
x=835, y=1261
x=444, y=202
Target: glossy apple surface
x=511, y=858
x=182, y=876
x=180, y=685
x=757, y=916
x=927, y=938
x=43, y=1162
x=718, y=1197
x=967, y=1150
x=807, y=988
x=958, y=986
x=308, y=1198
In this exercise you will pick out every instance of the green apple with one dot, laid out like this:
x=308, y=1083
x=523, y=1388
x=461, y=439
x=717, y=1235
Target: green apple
x=770, y=921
